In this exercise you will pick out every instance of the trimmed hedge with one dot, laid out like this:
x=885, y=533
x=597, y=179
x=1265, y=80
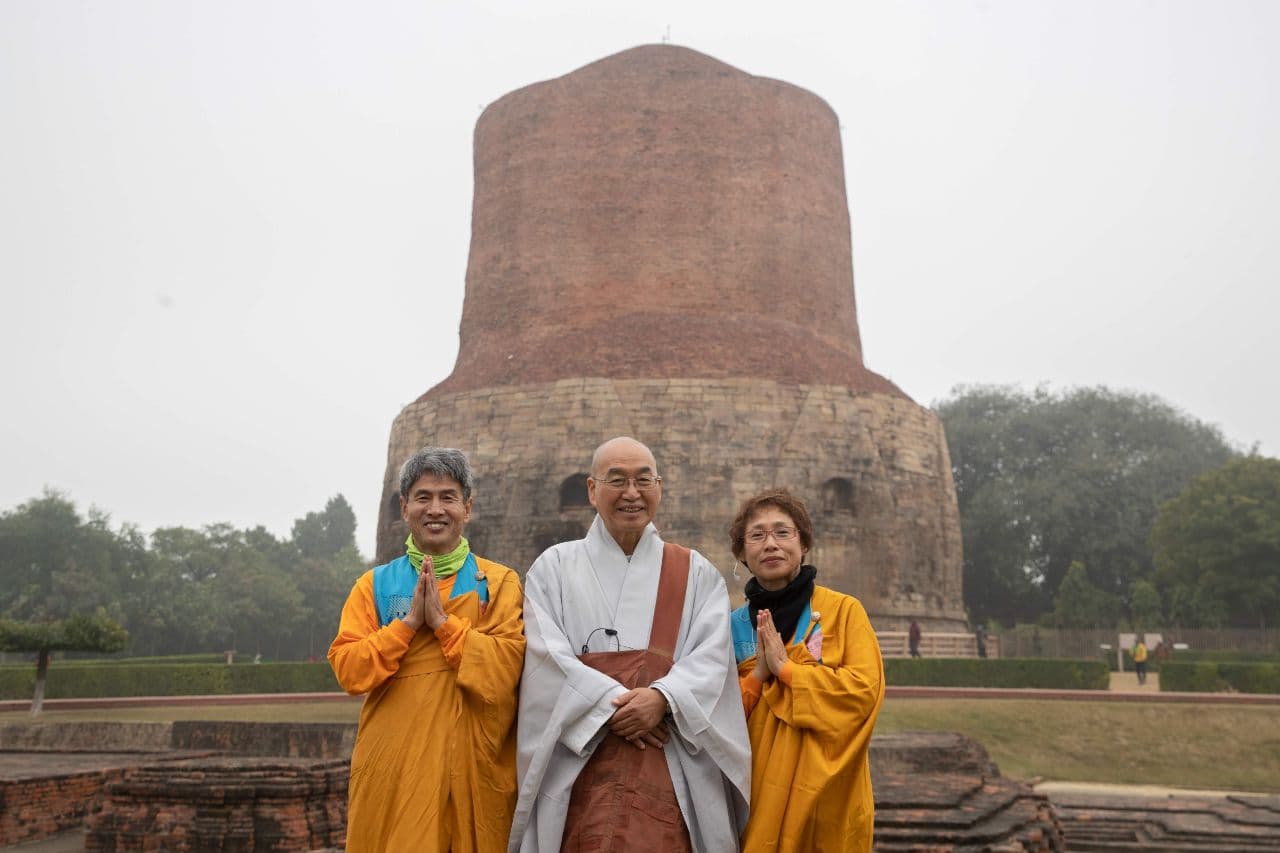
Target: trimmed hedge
x=1219, y=677
x=1193, y=656
x=198, y=657
x=1225, y=656
x=1049, y=673
x=75, y=680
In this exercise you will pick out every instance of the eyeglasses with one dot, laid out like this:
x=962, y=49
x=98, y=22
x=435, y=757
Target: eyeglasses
x=779, y=534
x=644, y=482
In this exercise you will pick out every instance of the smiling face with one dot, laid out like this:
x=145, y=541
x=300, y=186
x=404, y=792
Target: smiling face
x=436, y=513
x=774, y=563
x=627, y=511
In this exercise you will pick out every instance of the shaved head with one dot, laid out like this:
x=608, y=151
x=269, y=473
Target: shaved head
x=626, y=509
x=622, y=445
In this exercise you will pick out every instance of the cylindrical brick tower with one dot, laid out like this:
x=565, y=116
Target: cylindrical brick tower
x=660, y=248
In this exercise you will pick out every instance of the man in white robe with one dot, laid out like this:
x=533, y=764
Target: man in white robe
x=598, y=594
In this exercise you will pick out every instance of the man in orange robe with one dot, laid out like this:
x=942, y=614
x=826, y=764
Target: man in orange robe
x=436, y=641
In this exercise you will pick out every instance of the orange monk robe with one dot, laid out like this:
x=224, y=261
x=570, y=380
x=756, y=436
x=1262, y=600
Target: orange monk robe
x=810, y=735
x=434, y=764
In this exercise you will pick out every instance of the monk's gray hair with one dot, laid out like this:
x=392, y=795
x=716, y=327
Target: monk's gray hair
x=440, y=461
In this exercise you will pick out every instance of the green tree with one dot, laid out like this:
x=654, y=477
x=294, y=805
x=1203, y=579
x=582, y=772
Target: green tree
x=1145, y=611
x=1217, y=545
x=326, y=533
x=329, y=564
x=186, y=590
x=1044, y=480
x=97, y=633
x=53, y=561
x=1079, y=604
x=325, y=584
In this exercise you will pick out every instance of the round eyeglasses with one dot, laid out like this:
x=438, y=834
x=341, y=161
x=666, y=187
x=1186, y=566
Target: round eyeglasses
x=644, y=482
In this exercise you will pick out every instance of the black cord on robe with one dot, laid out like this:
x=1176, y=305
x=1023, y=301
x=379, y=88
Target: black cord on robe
x=784, y=605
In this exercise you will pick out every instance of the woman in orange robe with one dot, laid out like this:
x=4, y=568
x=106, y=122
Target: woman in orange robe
x=812, y=700
x=436, y=641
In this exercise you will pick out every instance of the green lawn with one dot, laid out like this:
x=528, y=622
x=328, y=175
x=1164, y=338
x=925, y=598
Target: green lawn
x=1186, y=746
x=1234, y=747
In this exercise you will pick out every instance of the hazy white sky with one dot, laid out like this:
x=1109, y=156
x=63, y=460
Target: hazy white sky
x=233, y=235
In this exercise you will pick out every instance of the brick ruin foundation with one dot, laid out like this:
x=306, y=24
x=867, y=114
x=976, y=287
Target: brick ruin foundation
x=177, y=786
x=281, y=786
x=166, y=789
x=224, y=803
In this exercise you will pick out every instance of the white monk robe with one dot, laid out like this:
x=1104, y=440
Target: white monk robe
x=570, y=591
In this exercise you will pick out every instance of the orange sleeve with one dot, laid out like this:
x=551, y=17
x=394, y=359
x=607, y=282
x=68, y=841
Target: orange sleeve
x=751, y=688
x=489, y=670
x=788, y=670
x=364, y=655
x=453, y=638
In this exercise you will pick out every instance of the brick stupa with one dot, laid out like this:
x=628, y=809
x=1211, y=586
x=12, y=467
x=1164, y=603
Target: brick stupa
x=660, y=247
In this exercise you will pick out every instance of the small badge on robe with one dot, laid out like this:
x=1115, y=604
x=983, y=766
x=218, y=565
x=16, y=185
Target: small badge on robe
x=484, y=605
x=814, y=643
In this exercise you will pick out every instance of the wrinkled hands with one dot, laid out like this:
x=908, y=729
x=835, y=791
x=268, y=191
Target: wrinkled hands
x=770, y=650
x=639, y=718
x=425, y=607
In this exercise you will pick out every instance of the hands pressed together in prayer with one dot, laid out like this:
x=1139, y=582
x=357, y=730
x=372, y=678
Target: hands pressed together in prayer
x=639, y=718
x=771, y=651
x=425, y=607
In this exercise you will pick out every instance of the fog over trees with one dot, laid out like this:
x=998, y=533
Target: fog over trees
x=1059, y=494
x=1082, y=508
x=181, y=590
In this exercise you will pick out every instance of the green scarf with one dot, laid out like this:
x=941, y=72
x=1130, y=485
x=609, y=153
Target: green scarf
x=446, y=565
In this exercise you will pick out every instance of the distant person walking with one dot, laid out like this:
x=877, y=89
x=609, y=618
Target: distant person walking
x=1140, y=660
x=980, y=637
x=913, y=638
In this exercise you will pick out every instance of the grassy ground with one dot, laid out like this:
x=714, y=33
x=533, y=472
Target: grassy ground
x=1185, y=746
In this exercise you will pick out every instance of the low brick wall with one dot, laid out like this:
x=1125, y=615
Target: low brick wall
x=54, y=777
x=233, y=803
x=87, y=737
x=286, y=740
x=40, y=807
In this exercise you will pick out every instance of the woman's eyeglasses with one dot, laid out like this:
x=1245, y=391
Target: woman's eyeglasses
x=779, y=534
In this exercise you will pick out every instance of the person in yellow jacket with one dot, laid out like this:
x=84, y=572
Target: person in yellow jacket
x=1140, y=659
x=435, y=639
x=812, y=698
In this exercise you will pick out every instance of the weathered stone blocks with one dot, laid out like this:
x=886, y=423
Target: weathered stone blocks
x=887, y=530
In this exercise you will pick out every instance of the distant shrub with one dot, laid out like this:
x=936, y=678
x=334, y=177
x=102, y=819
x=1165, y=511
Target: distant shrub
x=1217, y=677
x=80, y=680
x=1225, y=655
x=1045, y=673
x=204, y=657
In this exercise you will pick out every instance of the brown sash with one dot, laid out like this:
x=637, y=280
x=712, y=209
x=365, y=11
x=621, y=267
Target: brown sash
x=623, y=798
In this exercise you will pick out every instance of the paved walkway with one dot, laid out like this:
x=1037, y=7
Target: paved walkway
x=1127, y=682
x=1060, y=789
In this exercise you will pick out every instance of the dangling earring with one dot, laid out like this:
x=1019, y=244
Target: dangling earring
x=737, y=577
